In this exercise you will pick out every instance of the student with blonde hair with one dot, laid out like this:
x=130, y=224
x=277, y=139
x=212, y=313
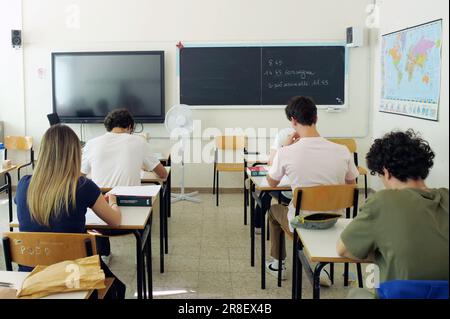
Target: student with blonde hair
x=56, y=197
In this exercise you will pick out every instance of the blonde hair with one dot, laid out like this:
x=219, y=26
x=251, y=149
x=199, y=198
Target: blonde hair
x=53, y=185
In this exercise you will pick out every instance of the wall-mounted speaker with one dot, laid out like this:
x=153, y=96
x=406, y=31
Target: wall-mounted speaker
x=53, y=119
x=355, y=37
x=16, y=38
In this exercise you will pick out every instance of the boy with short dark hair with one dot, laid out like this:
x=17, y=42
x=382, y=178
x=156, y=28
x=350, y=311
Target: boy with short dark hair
x=405, y=227
x=308, y=160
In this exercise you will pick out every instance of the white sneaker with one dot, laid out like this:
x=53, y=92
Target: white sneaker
x=107, y=259
x=325, y=280
x=272, y=268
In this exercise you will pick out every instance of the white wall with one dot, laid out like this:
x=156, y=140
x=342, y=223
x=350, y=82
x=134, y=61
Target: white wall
x=397, y=15
x=153, y=24
x=12, y=108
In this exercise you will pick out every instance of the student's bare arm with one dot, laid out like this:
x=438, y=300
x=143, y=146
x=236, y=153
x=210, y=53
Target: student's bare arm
x=160, y=170
x=271, y=157
x=350, y=181
x=272, y=182
x=109, y=213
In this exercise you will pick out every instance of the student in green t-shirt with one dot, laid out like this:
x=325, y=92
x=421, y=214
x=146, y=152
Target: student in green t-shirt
x=405, y=227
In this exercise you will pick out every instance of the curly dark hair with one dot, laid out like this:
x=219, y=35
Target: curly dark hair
x=119, y=118
x=404, y=154
x=303, y=109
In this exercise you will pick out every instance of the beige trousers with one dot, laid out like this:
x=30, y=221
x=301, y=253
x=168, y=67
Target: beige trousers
x=277, y=217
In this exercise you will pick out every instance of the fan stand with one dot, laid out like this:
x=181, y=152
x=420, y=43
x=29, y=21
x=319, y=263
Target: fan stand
x=190, y=197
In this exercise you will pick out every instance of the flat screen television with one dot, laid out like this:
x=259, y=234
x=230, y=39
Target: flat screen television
x=88, y=85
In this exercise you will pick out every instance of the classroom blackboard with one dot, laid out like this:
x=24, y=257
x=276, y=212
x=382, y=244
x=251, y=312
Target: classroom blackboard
x=261, y=75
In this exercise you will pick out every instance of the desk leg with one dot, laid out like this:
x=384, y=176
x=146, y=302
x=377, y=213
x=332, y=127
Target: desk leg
x=245, y=193
x=316, y=280
x=295, y=263
x=10, y=207
x=149, y=265
x=139, y=263
x=162, y=214
x=265, y=204
x=252, y=224
x=169, y=185
x=166, y=229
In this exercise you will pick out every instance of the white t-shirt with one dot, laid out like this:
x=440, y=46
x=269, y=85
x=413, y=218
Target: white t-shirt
x=116, y=159
x=313, y=161
x=281, y=138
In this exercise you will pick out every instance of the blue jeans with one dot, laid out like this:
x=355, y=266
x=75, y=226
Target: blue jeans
x=278, y=196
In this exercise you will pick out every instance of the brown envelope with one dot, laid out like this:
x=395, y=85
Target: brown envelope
x=67, y=276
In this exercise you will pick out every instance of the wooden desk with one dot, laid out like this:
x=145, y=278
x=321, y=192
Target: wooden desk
x=251, y=160
x=138, y=220
x=17, y=278
x=317, y=246
x=164, y=209
x=8, y=188
x=263, y=200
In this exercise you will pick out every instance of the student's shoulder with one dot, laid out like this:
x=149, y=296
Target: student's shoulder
x=85, y=184
x=24, y=182
x=388, y=198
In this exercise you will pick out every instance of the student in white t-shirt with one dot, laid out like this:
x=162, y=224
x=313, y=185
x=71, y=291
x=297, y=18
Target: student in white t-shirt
x=308, y=160
x=116, y=159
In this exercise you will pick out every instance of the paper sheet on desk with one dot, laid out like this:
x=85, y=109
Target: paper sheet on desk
x=158, y=155
x=139, y=191
x=93, y=219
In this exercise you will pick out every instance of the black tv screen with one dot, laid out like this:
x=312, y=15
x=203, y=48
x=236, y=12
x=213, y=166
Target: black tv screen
x=88, y=85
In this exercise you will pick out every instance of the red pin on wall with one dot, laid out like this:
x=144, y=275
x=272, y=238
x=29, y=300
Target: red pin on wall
x=180, y=45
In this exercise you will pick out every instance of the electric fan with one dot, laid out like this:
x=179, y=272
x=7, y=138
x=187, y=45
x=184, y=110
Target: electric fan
x=179, y=123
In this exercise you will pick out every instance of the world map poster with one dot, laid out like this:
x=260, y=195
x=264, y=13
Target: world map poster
x=411, y=71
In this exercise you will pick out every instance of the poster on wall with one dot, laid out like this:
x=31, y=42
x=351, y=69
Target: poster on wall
x=411, y=71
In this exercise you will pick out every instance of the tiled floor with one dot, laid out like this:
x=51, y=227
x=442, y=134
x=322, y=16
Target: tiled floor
x=209, y=255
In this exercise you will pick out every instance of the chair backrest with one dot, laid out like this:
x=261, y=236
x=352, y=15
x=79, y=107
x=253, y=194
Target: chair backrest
x=31, y=249
x=350, y=143
x=230, y=142
x=18, y=143
x=326, y=198
x=413, y=289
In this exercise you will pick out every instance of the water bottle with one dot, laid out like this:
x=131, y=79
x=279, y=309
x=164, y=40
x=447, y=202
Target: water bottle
x=2, y=155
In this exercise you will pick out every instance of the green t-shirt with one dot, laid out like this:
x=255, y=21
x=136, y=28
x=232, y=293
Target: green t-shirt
x=408, y=232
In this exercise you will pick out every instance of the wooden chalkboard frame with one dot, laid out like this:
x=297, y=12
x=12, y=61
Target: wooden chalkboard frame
x=331, y=108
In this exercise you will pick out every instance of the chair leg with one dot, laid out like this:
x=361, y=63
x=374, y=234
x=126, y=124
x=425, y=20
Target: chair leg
x=280, y=262
x=217, y=188
x=346, y=274
x=360, y=277
x=365, y=186
x=332, y=273
x=268, y=230
x=214, y=179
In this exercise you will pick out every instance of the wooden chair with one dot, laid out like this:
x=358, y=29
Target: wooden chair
x=350, y=143
x=232, y=143
x=31, y=249
x=324, y=198
x=20, y=143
